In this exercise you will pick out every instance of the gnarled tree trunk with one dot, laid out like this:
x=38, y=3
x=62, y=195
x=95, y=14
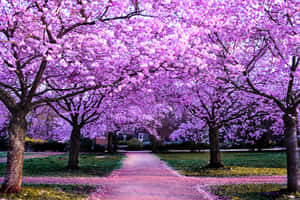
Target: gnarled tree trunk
x=215, y=156
x=290, y=125
x=74, y=148
x=15, y=156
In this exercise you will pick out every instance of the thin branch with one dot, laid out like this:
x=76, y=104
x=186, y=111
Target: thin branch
x=53, y=99
x=36, y=81
x=59, y=113
x=7, y=100
x=16, y=92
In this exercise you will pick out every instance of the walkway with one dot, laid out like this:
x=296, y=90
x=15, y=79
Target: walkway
x=145, y=177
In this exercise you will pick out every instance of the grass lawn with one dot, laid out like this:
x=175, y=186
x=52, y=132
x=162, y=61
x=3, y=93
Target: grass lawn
x=3, y=154
x=52, y=192
x=236, y=163
x=90, y=165
x=253, y=192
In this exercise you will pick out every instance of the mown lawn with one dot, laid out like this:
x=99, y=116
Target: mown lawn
x=90, y=165
x=3, y=154
x=52, y=192
x=236, y=163
x=253, y=192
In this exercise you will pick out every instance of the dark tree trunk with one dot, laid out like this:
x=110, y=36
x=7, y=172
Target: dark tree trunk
x=110, y=142
x=115, y=145
x=15, y=156
x=290, y=125
x=215, y=156
x=74, y=148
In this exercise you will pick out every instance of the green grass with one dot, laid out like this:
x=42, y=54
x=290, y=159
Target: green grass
x=236, y=163
x=52, y=192
x=3, y=154
x=253, y=192
x=90, y=165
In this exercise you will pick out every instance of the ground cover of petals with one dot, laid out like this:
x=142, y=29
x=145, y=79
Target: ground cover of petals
x=145, y=177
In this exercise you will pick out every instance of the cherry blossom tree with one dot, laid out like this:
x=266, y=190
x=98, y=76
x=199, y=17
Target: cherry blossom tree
x=78, y=112
x=216, y=107
x=39, y=41
x=258, y=45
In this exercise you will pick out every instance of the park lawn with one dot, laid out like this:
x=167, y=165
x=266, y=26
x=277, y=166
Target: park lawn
x=236, y=163
x=253, y=192
x=52, y=192
x=4, y=154
x=90, y=165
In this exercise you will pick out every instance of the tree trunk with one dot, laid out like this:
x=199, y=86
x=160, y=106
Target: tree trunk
x=115, y=144
x=290, y=125
x=74, y=148
x=15, y=156
x=215, y=156
x=110, y=142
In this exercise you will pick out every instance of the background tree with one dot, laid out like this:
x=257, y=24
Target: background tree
x=78, y=112
x=217, y=107
x=261, y=57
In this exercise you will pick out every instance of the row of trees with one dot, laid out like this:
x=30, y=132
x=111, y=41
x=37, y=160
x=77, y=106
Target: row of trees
x=117, y=63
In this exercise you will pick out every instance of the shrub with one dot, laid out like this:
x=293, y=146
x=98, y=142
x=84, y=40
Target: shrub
x=98, y=148
x=134, y=144
x=3, y=142
x=86, y=144
x=187, y=145
x=121, y=142
x=45, y=146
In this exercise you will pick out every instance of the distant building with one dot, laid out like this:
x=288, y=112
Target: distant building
x=143, y=137
x=102, y=140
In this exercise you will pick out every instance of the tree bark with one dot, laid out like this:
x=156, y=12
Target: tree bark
x=110, y=142
x=215, y=156
x=15, y=156
x=74, y=148
x=115, y=144
x=290, y=125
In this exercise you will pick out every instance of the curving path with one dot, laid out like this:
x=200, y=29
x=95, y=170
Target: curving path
x=145, y=177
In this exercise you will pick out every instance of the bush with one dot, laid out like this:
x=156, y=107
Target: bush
x=3, y=142
x=121, y=142
x=86, y=144
x=147, y=147
x=187, y=145
x=45, y=146
x=134, y=144
x=98, y=148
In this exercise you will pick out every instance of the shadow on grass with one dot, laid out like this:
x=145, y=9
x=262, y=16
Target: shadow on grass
x=90, y=165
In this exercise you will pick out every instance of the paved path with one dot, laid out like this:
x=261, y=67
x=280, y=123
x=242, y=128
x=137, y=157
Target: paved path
x=36, y=155
x=144, y=177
